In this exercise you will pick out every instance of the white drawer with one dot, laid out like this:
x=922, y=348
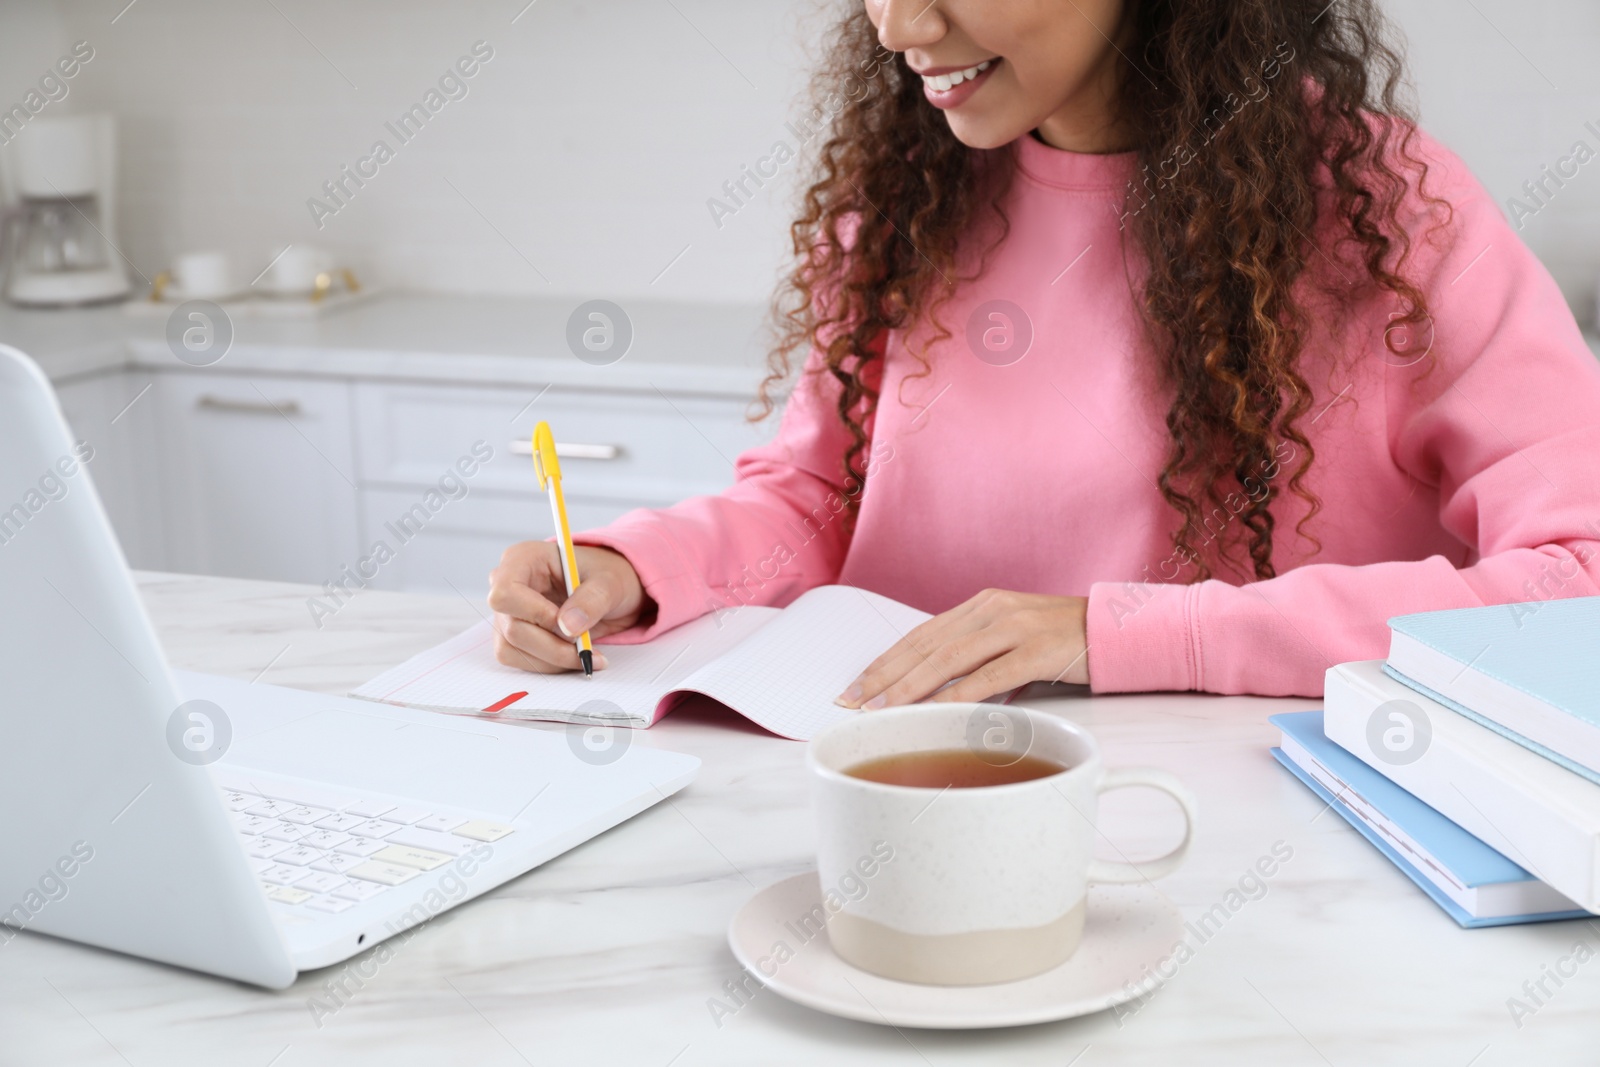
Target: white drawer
x=119, y=418
x=257, y=475
x=656, y=449
x=454, y=548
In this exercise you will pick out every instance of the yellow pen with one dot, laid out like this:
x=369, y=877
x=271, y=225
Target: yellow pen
x=548, y=468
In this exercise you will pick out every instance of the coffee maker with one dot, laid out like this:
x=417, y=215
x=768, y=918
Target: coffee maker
x=57, y=232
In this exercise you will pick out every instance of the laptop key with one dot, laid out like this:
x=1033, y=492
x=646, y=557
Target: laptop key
x=321, y=882
x=339, y=823
x=432, y=840
x=239, y=801
x=407, y=816
x=304, y=816
x=358, y=891
x=360, y=846
x=272, y=809
x=262, y=849
x=337, y=864
x=253, y=824
x=383, y=873
x=407, y=856
x=484, y=830
x=287, y=895
x=369, y=809
x=332, y=905
x=374, y=828
x=281, y=874
x=442, y=824
x=286, y=832
x=327, y=840
x=299, y=856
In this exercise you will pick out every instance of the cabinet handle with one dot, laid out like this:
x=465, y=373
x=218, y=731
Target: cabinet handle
x=524, y=447
x=285, y=408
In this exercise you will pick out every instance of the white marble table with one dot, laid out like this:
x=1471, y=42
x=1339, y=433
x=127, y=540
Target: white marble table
x=612, y=953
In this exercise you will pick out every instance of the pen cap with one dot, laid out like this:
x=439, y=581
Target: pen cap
x=545, y=464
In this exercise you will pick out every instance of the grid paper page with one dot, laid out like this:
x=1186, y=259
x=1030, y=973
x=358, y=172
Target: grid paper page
x=786, y=675
x=461, y=675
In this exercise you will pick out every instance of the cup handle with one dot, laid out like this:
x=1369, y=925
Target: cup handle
x=1107, y=871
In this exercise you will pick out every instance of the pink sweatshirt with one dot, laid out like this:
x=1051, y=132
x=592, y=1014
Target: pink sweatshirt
x=1465, y=478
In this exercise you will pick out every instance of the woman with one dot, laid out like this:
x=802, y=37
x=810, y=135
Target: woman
x=1151, y=346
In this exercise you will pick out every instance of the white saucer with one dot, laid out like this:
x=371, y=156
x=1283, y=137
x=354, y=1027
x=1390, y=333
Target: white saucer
x=1129, y=928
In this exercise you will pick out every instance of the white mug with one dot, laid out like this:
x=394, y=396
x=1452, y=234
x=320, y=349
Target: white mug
x=203, y=275
x=967, y=886
x=294, y=271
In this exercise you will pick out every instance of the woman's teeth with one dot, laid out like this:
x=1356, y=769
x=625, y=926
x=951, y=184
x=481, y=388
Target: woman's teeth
x=945, y=82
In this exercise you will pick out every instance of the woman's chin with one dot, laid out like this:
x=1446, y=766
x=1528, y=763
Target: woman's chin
x=982, y=132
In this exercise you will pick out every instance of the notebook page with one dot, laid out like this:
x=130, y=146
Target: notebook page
x=461, y=675
x=785, y=676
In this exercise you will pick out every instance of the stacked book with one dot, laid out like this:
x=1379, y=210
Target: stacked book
x=1471, y=757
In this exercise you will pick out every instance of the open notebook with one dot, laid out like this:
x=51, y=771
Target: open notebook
x=779, y=667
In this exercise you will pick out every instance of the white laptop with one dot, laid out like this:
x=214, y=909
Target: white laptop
x=243, y=830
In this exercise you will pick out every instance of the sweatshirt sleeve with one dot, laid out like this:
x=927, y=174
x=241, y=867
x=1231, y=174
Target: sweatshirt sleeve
x=778, y=531
x=1504, y=422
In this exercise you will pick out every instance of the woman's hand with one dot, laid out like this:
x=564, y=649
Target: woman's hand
x=998, y=640
x=535, y=621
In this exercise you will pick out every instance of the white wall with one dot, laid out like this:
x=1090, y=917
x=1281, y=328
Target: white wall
x=1509, y=85
x=587, y=148
x=584, y=151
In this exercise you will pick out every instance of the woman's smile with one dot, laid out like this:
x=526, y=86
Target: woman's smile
x=950, y=87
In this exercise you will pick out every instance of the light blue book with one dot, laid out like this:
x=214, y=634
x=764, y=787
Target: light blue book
x=1474, y=884
x=1530, y=672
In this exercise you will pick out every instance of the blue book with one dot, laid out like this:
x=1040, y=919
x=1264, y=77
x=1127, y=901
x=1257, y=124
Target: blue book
x=1474, y=884
x=1529, y=672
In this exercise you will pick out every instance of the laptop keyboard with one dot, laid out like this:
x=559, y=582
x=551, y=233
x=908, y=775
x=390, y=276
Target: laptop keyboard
x=329, y=851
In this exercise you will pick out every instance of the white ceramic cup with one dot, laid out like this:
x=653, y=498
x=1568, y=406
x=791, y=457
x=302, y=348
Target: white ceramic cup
x=294, y=272
x=966, y=886
x=203, y=275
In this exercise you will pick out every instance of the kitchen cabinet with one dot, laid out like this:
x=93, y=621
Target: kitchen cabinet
x=636, y=448
x=299, y=479
x=452, y=550
x=620, y=450
x=117, y=415
x=259, y=475
x=311, y=441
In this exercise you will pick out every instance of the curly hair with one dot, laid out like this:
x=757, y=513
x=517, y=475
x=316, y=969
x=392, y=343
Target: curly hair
x=1225, y=231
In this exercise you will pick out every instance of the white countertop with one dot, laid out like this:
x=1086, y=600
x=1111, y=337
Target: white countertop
x=708, y=348
x=611, y=953
x=677, y=347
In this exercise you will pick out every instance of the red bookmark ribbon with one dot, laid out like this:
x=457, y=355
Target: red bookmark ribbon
x=501, y=705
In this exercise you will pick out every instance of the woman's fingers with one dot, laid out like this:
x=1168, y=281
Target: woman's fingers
x=890, y=667
x=509, y=654
x=992, y=643
x=907, y=680
x=521, y=601
x=536, y=622
x=1001, y=675
x=524, y=582
x=587, y=606
x=911, y=651
x=519, y=643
